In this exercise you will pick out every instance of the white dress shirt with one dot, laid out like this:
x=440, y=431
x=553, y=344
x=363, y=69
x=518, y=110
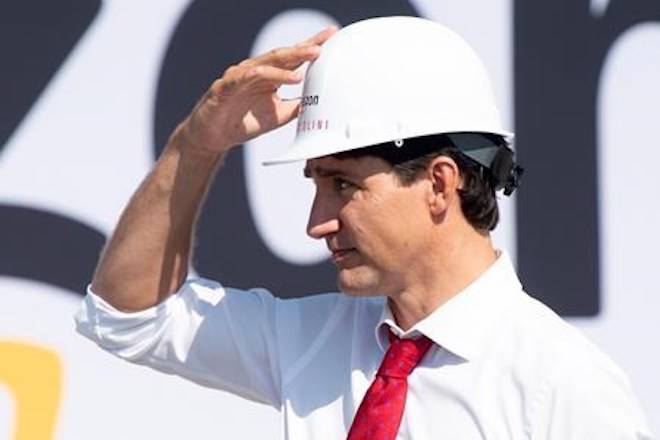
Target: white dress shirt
x=503, y=366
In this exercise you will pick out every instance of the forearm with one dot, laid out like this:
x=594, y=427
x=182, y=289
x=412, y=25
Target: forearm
x=146, y=259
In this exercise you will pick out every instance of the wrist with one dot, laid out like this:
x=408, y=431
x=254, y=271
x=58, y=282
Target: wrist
x=182, y=168
x=186, y=144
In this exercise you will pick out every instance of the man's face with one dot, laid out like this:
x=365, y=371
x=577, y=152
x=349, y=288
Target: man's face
x=375, y=227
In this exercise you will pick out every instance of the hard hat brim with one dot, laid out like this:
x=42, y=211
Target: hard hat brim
x=309, y=148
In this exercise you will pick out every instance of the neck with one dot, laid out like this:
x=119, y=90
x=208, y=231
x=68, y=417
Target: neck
x=455, y=263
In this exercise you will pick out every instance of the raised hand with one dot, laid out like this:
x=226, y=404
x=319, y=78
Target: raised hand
x=243, y=103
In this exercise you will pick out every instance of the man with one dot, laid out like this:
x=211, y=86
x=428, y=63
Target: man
x=432, y=335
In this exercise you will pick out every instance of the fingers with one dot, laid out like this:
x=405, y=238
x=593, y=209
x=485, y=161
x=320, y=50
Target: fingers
x=287, y=111
x=287, y=57
x=293, y=57
x=258, y=78
x=320, y=37
x=272, y=75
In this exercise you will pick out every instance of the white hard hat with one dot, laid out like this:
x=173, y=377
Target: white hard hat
x=388, y=79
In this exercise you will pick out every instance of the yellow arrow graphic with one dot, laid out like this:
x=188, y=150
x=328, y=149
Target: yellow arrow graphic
x=33, y=375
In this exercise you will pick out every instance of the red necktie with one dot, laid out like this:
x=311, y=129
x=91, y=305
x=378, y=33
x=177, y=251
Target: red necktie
x=381, y=410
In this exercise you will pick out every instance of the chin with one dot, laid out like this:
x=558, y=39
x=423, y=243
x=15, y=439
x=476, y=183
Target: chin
x=357, y=284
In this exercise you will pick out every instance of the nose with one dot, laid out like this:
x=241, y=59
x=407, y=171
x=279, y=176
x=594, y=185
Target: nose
x=323, y=219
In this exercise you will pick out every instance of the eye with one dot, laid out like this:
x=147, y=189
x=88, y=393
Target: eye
x=342, y=185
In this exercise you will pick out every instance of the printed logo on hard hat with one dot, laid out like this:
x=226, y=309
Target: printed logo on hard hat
x=310, y=124
x=309, y=100
x=313, y=124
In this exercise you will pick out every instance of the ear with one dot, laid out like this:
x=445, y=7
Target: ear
x=445, y=178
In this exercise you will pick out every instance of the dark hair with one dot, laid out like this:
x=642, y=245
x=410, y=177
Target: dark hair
x=478, y=200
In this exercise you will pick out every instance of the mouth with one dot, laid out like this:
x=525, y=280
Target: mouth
x=340, y=255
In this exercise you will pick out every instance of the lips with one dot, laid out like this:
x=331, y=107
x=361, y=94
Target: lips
x=341, y=254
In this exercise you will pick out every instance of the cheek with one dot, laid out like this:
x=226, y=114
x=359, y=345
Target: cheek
x=408, y=209
x=387, y=222
x=402, y=226
x=412, y=226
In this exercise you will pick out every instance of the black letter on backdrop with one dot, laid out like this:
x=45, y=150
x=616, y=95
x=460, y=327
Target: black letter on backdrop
x=47, y=247
x=559, y=53
x=35, y=39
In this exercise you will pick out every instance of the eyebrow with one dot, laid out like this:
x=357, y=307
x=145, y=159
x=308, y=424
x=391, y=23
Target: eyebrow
x=310, y=172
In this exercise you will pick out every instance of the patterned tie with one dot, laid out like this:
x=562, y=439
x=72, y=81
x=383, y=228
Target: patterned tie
x=381, y=410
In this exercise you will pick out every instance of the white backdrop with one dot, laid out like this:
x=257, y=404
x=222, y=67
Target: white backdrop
x=94, y=123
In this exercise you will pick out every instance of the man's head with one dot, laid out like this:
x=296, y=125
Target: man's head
x=401, y=134
x=388, y=213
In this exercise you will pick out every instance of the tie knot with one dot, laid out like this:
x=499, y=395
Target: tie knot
x=403, y=356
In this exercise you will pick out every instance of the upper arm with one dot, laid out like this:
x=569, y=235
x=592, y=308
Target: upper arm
x=218, y=337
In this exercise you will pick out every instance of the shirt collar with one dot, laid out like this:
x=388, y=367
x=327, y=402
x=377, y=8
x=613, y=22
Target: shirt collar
x=462, y=324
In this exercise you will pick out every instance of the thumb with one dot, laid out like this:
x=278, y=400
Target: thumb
x=287, y=111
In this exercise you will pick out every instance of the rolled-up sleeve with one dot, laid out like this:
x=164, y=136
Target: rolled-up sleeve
x=218, y=337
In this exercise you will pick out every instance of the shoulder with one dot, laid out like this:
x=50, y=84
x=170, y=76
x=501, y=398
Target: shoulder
x=560, y=348
x=302, y=316
x=323, y=323
x=328, y=301
x=543, y=344
x=575, y=389
x=333, y=308
x=215, y=293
